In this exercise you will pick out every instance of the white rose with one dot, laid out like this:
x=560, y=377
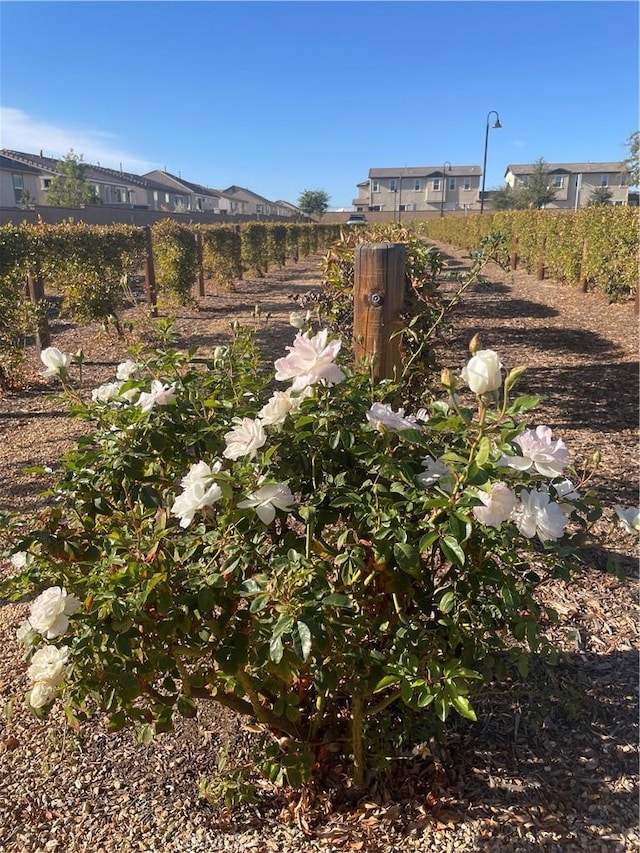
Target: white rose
x=42, y=693
x=48, y=664
x=107, y=392
x=498, y=505
x=195, y=497
x=245, y=439
x=55, y=361
x=128, y=370
x=51, y=610
x=482, y=372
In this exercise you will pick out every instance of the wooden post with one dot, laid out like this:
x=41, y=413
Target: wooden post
x=200, y=253
x=540, y=266
x=582, y=282
x=514, y=254
x=149, y=273
x=35, y=288
x=378, y=299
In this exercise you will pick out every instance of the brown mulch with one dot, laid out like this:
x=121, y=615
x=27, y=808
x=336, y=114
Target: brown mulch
x=551, y=763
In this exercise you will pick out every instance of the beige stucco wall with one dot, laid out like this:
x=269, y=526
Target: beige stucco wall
x=7, y=195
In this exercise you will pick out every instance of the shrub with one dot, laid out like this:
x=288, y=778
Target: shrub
x=312, y=557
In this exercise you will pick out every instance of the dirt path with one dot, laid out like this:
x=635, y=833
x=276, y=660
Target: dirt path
x=552, y=762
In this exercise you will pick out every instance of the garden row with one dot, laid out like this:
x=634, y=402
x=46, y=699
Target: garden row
x=91, y=266
x=597, y=247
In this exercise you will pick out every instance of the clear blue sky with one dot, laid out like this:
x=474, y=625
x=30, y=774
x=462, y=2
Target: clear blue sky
x=286, y=96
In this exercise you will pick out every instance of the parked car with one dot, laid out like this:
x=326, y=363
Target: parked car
x=357, y=219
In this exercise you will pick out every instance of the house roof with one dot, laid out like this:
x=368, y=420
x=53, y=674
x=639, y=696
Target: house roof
x=43, y=164
x=423, y=171
x=167, y=180
x=528, y=168
x=16, y=165
x=243, y=191
x=50, y=164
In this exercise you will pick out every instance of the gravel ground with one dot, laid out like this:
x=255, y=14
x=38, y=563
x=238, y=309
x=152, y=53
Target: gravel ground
x=551, y=763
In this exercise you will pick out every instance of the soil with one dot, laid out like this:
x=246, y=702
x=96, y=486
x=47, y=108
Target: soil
x=551, y=763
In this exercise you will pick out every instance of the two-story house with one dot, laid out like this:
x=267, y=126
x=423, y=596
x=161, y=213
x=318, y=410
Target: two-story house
x=18, y=183
x=112, y=187
x=184, y=195
x=429, y=188
x=575, y=183
x=243, y=200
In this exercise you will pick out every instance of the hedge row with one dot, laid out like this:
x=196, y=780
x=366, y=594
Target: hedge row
x=90, y=265
x=598, y=245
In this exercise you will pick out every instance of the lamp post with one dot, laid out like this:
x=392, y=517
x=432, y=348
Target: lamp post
x=484, y=162
x=444, y=178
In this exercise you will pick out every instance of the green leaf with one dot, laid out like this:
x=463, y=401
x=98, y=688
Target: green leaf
x=447, y=601
x=338, y=599
x=386, y=681
x=276, y=649
x=408, y=558
x=452, y=551
x=302, y=640
x=462, y=706
x=524, y=403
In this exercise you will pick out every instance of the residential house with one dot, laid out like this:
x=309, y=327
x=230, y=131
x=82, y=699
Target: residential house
x=575, y=183
x=285, y=208
x=18, y=183
x=184, y=195
x=428, y=188
x=243, y=200
x=112, y=187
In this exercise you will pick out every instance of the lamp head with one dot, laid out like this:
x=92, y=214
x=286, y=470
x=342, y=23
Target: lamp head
x=497, y=124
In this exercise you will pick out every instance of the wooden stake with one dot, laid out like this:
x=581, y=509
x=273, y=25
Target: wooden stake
x=583, y=276
x=514, y=254
x=200, y=252
x=150, y=274
x=35, y=287
x=540, y=267
x=378, y=299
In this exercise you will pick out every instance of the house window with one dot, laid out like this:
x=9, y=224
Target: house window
x=393, y=185
x=155, y=195
x=416, y=185
x=376, y=187
x=604, y=181
x=18, y=188
x=436, y=184
x=466, y=184
x=375, y=207
x=46, y=183
x=452, y=183
x=624, y=177
x=258, y=208
x=558, y=181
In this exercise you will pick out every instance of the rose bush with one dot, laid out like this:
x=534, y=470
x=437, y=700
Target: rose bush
x=313, y=556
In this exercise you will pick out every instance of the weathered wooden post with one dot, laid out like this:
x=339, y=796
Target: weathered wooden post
x=200, y=254
x=540, y=266
x=582, y=282
x=513, y=265
x=35, y=287
x=378, y=299
x=149, y=273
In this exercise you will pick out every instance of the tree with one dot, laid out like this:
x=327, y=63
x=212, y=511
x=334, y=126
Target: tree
x=313, y=202
x=70, y=187
x=509, y=198
x=600, y=197
x=632, y=163
x=539, y=190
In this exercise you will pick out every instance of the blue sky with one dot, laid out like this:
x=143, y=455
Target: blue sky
x=286, y=96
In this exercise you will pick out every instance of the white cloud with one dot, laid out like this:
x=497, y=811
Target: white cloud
x=22, y=132
x=518, y=143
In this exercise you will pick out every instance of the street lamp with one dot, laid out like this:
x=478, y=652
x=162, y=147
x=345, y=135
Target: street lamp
x=484, y=164
x=444, y=178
